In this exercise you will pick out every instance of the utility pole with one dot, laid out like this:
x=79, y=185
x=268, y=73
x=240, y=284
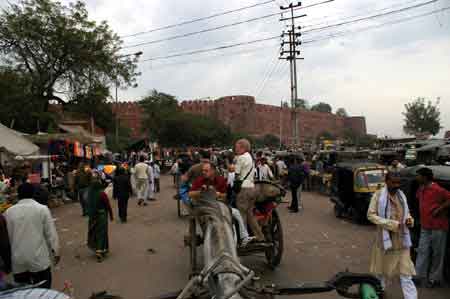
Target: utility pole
x=293, y=34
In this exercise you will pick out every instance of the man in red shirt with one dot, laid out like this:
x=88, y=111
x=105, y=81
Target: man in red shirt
x=434, y=202
x=209, y=178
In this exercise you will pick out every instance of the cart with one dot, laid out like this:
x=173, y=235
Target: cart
x=268, y=218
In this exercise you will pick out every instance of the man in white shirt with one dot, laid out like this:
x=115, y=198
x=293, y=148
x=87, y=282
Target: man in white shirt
x=157, y=173
x=245, y=172
x=33, y=238
x=141, y=175
x=396, y=166
x=281, y=168
x=264, y=171
x=151, y=183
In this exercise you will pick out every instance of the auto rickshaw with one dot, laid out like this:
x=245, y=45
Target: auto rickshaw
x=409, y=186
x=352, y=187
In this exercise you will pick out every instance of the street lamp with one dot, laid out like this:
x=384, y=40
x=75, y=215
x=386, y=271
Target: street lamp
x=137, y=54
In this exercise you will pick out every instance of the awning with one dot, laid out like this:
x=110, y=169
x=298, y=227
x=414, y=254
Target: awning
x=15, y=143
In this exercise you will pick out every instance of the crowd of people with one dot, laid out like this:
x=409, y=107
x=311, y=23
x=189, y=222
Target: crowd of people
x=30, y=246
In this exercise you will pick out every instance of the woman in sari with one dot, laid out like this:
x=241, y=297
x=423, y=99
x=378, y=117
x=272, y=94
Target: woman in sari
x=98, y=210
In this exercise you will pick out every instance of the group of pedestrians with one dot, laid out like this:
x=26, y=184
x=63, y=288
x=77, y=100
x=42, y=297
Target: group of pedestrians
x=391, y=251
x=147, y=178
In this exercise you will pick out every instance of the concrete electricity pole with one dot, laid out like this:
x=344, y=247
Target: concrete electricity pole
x=293, y=34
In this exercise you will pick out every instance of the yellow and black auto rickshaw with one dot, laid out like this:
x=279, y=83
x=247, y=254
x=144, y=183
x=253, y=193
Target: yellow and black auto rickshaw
x=352, y=187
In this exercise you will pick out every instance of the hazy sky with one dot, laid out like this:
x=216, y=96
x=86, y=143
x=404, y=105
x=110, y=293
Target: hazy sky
x=371, y=73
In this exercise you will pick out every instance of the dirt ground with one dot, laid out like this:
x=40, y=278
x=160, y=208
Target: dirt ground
x=317, y=245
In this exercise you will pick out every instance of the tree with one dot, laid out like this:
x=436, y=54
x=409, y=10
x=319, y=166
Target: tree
x=158, y=108
x=322, y=107
x=268, y=140
x=301, y=103
x=341, y=112
x=185, y=129
x=422, y=117
x=94, y=104
x=62, y=52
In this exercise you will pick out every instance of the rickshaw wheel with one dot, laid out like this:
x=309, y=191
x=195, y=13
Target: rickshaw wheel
x=275, y=236
x=193, y=245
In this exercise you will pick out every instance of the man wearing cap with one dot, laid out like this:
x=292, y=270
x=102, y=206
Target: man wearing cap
x=433, y=202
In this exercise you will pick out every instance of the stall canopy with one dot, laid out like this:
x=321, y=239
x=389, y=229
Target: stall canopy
x=15, y=143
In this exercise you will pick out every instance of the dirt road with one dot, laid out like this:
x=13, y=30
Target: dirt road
x=317, y=245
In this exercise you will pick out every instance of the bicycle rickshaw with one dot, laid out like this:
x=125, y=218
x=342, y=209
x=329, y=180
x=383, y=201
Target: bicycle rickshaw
x=352, y=187
x=268, y=218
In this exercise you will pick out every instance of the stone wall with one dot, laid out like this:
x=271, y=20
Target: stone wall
x=130, y=116
x=242, y=113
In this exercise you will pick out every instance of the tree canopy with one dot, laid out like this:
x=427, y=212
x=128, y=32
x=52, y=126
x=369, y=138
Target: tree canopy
x=322, y=107
x=422, y=117
x=61, y=51
x=301, y=103
x=158, y=108
x=267, y=140
x=341, y=112
x=170, y=126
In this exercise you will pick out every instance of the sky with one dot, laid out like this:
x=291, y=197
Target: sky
x=372, y=73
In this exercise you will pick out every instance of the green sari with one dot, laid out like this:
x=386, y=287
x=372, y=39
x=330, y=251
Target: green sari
x=98, y=221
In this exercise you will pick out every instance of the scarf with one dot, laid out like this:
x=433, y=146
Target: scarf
x=384, y=211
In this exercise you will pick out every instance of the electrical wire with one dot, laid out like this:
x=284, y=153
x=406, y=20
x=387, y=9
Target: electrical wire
x=370, y=17
x=212, y=49
x=342, y=33
x=236, y=53
x=276, y=37
x=267, y=75
x=215, y=28
x=274, y=70
x=325, y=20
x=198, y=19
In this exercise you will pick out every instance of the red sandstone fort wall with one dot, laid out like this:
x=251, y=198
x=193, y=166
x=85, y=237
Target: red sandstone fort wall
x=242, y=113
x=130, y=116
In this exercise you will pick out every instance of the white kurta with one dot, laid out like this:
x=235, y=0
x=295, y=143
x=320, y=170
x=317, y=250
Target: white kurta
x=393, y=262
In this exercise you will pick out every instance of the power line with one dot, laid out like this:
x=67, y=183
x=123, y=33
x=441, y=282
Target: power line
x=342, y=33
x=371, y=17
x=236, y=53
x=276, y=69
x=212, y=49
x=199, y=19
x=265, y=73
x=327, y=19
x=215, y=28
x=276, y=37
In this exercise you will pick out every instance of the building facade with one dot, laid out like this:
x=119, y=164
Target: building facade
x=243, y=114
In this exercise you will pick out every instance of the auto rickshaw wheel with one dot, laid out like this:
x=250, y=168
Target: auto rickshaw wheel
x=274, y=234
x=338, y=212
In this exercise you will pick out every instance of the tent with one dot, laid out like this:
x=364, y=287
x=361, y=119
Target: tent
x=14, y=143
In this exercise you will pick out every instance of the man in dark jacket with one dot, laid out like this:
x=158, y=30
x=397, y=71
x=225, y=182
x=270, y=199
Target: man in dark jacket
x=296, y=177
x=121, y=191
